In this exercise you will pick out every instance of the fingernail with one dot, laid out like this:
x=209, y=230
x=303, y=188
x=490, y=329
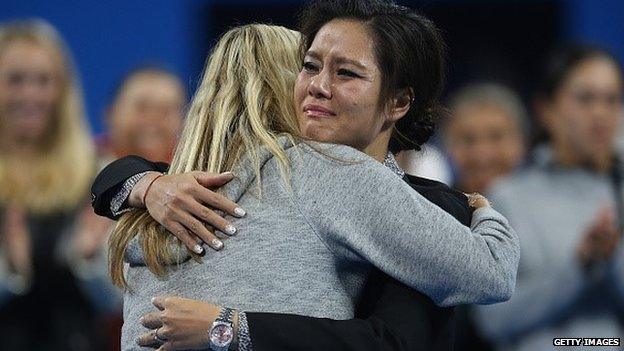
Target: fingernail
x=198, y=249
x=141, y=320
x=239, y=212
x=227, y=173
x=153, y=299
x=217, y=244
x=230, y=230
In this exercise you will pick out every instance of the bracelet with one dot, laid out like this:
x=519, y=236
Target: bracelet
x=244, y=339
x=150, y=185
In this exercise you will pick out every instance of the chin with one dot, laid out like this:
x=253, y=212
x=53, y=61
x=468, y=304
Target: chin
x=324, y=136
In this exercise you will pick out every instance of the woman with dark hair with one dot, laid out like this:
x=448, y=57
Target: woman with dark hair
x=341, y=80
x=571, y=275
x=145, y=114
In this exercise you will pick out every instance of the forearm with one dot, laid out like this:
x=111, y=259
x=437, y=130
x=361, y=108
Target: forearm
x=461, y=266
x=433, y=253
x=381, y=220
x=392, y=318
x=109, y=185
x=292, y=332
x=138, y=190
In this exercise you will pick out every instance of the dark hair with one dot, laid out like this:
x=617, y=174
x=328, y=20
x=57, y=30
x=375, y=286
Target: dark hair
x=144, y=68
x=410, y=53
x=564, y=60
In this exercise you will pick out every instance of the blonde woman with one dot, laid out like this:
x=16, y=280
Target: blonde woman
x=46, y=164
x=309, y=238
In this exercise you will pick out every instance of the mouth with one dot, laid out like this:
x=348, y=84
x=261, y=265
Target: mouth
x=317, y=111
x=27, y=111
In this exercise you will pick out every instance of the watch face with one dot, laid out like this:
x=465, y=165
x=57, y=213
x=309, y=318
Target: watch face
x=221, y=335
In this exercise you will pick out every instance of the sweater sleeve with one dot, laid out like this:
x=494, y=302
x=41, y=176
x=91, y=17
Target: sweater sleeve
x=542, y=293
x=362, y=211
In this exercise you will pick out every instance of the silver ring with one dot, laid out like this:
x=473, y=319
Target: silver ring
x=157, y=337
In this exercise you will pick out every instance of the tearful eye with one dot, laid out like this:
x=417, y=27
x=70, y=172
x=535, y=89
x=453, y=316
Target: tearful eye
x=348, y=73
x=309, y=67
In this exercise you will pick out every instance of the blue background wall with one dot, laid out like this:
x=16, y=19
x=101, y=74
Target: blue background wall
x=110, y=37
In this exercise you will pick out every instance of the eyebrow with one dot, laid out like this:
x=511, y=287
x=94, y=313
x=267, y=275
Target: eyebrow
x=339, y=60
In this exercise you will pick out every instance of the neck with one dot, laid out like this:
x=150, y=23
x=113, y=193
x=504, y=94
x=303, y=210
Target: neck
x=378, y=148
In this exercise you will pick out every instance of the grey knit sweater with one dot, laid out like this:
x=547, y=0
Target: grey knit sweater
x=305, y=247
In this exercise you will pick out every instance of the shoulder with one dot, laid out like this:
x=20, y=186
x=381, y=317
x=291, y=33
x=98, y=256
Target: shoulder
x=333, y=154
x=326, y=170
x=450, y=200
x=340, y=163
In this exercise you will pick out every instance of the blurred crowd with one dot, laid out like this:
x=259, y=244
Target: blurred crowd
x=552, y=167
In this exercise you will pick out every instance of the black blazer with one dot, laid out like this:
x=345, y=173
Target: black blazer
x=389, y=315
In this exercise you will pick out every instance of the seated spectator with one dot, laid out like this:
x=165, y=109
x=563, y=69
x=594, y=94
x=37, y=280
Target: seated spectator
x=567, y=209
x=145, y=115
x=485, y=137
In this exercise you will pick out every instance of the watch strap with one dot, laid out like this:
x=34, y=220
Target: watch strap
x=244, y=339
x=225, y=315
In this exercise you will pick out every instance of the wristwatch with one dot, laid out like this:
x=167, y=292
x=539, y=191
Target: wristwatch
x=221, y=333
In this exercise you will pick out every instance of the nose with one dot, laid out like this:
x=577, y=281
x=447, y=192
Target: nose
x=320, y=86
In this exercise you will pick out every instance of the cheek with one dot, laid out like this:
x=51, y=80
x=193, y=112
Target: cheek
x=300, y=89
x=52, y=91
x=361, y=112
x=175, y=125
x=574, y=117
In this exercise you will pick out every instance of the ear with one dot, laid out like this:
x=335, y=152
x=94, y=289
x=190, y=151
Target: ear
x=400, y=104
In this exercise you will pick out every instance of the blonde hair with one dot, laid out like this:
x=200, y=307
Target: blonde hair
x=63, y=164
x=244, y=102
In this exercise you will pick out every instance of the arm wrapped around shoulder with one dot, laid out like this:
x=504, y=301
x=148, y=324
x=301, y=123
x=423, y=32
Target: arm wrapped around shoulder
x=365, y=212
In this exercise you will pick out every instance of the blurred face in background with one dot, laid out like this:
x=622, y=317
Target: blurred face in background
x=484, y=143
x=30, y=90
x=584, y=113
x=146, y=116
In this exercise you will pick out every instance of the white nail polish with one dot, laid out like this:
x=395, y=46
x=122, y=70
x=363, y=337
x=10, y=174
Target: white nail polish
x=230, y=230
x=239, y=212
x=198, y=249
x=217, y=244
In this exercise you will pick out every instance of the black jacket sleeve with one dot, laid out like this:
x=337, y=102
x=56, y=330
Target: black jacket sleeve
x=401, y=320
x=110, y=180
x=391, y=316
